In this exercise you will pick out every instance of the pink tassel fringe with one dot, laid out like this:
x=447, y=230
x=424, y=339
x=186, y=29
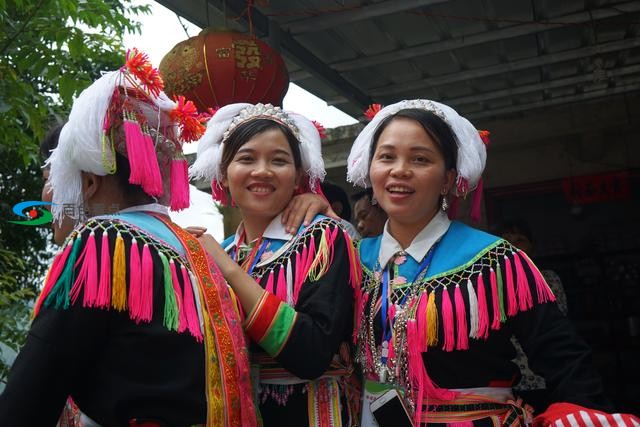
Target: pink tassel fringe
x=179, y=184
x=135, y=282
x=281, y=285
x=104, y=286
x=191, y=313
x=421, y=321
x=525, y=301
x=512, y=301
x=447, y=322
x=182, y=318
x=135, y=152
x=542, y=289
x=219, y=194
x=54, y=273
x=483, y=312
x=88, y=275
x=462, y=339
x=420, y=380
x=146, y=288
x=269, y=286
x=152, y=182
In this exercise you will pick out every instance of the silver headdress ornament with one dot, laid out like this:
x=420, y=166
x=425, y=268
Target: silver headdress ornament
x=472, y=152
x=261, y=111
x=227, y=119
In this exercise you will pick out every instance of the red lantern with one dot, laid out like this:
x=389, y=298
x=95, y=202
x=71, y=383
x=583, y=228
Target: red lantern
x=216, y=68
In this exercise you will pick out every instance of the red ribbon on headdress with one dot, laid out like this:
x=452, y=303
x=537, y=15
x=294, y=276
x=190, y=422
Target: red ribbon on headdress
x=371, y=112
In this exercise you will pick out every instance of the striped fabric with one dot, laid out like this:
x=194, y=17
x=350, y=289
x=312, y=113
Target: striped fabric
x=270, y=322
x=569, y=415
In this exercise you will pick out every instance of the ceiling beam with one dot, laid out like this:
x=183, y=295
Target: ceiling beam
x=474, y=39
x=569, y=81
x=556, y=101
x=500, y=68
x=288, y=46
x=334, y=19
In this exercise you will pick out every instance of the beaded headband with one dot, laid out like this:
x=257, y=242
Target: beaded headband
x=261, y=111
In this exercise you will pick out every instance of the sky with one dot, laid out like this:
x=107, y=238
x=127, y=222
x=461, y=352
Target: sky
x=161, y=30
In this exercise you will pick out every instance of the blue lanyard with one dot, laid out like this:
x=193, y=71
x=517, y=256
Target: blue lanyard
x=254, y=261
x=263, y=246
x=422, y=271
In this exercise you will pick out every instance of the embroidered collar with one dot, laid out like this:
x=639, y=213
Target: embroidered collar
x=274, y=231
x=420, y=245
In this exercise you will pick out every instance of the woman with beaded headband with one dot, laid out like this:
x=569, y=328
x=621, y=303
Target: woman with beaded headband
x=440, y=300
x=133, y=323
x=296, y=289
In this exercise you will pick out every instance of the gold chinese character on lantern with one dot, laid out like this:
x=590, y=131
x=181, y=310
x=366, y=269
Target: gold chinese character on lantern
x=248, y=75
x=247, y=54
x=223, y=52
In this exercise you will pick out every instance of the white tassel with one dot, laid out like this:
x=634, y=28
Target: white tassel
x=289, y=278
x=196, y=297
x=473, y=310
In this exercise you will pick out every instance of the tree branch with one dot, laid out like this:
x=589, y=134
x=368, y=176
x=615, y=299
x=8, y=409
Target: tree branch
x=31, y=15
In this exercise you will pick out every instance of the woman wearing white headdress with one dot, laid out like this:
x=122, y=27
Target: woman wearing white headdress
x=295, y=288
x=132, y=324
x=440, y=300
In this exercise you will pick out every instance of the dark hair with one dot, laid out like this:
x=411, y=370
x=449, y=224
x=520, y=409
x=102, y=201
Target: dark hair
x=517, y=225
x=244, y=132
x=362, y=194
x=50, y=140
x=435, y=127
x=334, y=193
x=132, y=192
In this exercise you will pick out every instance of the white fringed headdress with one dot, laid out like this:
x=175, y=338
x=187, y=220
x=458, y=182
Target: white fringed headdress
x=229, y=117
x=125, y=111
x=472, y=153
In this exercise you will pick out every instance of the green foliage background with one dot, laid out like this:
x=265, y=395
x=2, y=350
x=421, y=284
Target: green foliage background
x=50, y=50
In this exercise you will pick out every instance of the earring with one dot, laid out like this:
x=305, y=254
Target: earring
x=445, y=205
x=374, y=201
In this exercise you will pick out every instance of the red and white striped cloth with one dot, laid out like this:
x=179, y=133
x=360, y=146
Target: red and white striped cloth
x=569, y=415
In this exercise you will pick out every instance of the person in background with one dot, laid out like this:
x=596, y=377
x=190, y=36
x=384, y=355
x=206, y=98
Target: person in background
x=134, y=322
x=369, y=218
x=532, y=387
x=518, y=233
x=296, y=289
x=339, y=202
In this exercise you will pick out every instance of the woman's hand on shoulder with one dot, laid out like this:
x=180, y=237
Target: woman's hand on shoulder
x=303, y=208
x=195, y=230
x=213, y=248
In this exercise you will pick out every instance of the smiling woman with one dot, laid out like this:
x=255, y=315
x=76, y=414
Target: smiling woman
x=295, y=288
x=130, y=300
x=440, y=300
x=261, y=167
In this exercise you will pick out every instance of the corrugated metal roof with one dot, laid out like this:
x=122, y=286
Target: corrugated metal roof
x=486, y=58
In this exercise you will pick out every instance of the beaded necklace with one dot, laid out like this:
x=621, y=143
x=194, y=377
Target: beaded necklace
x=249, y=263
x=393, y=327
